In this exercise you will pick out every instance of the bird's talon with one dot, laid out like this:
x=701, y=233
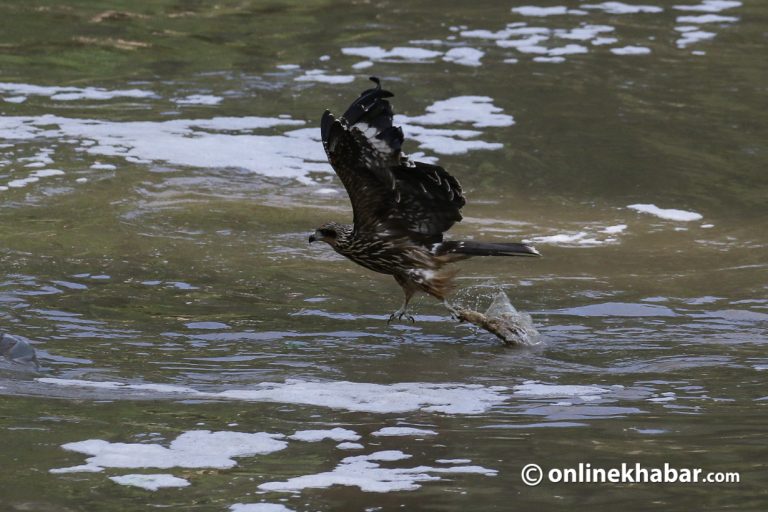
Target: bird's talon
x=399, y=315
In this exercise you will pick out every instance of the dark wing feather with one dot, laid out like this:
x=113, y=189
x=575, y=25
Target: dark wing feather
x=426, y=201
x=391, y=195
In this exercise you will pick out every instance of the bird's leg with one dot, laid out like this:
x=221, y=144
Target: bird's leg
x=403, y=311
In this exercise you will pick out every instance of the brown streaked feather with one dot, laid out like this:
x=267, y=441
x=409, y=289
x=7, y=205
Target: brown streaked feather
x=442, y=284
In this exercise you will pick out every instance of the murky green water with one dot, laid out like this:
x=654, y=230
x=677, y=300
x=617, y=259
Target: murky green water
x=170, y=249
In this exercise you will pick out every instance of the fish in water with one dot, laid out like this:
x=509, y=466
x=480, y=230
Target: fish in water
x=504, y=321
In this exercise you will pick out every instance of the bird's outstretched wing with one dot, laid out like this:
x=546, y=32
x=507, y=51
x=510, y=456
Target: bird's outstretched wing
x=391, y=195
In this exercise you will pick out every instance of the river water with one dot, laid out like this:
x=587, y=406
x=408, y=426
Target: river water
x=161, y=170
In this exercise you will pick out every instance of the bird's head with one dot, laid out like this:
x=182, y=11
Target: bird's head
x=329, y=233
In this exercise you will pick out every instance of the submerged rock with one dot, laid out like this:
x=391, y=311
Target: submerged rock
x=504, y=321
x=18, y=350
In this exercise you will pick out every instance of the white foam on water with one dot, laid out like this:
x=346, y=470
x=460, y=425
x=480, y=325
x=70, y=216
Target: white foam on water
x=365, y=64
x=479, y=111
x=552, y=60
x=447, y=398
x=707, y=18
x=533, y=48
x=532, y=10
x=42, y=156
x=529, y=44
x=319, y=75
x=669, y=213
x=370, y=52
x=569, y=49
x=186, y=142
x=199, y=99
x=464, y=56
x=665, y=397
x=536, y=389
x=622, y=8
x=211, y=143
x=22, y=182
x=398, y=53
x=193, y=449
x=584, y=32
x=335, y=434
x=447, y=142
x=73, y=93
x=365, y=472
x=693, y=36
x=709, y=6
x=83, y=468
x=287, y=67
x=15, y=99
x=487, y=34
x=33, y=177
x=631, y=50
x=580, y=238
x=453, y=461
x=527, y=35
x=403, y=431
x=103, y=167
x=259, y=507
x=150, y=482
x=81, y=383
x=45, y=173
x=477, y=470
x=377, y=398
x=618, y=228
x=600, y=41
x=350, y=446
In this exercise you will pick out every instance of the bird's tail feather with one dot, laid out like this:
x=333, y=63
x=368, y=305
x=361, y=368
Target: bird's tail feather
x=472, y=248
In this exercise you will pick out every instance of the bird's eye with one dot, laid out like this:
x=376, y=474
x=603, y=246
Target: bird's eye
x=328, y=233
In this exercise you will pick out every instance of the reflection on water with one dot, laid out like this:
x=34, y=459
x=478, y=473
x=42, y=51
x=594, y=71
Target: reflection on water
x=160, y=169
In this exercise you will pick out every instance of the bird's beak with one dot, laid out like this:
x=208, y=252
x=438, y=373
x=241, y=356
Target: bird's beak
x=312, y=238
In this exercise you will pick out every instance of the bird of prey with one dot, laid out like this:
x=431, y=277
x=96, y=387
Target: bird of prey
x=400, y=207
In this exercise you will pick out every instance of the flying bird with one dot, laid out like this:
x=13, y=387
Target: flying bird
x=400, y=207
